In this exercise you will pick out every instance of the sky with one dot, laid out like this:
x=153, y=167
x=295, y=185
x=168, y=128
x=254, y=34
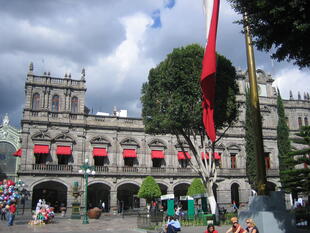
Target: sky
x=117, y=42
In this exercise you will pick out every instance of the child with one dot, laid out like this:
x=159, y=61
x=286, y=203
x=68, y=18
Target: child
x=236, y=227
x=211, y=229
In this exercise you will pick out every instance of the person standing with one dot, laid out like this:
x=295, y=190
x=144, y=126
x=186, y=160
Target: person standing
x=251, y=227
x=103, y=206
x=11, y=214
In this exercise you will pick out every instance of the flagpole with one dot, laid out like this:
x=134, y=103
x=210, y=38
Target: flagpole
x=255, y=109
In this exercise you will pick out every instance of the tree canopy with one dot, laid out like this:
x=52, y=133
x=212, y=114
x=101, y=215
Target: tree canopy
x=171, y=99
x=196, y=187
x=149, y=189
x=281, y=26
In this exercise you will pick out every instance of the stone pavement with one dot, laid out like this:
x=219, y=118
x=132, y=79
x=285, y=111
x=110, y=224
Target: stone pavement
x=107, y=224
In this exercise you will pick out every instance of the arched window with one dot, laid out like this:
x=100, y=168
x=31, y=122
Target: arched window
x=36, y=101
x=55, y=103
x=233, y=162
x=306, y=121
x=74, y=104
x=299, y=122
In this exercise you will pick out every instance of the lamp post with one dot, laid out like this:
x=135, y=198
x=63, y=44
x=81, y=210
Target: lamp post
x=86, y=170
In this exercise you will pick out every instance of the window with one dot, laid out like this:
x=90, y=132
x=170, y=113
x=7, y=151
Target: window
x=36, y=101
x=306, y=121
x=233, y=161
x=299, y=122
x=157, y=162
x=55, y=103
x=128, y=162
x=74, y=105
x=41, y=158
x=184, y=163
x=267, y=160
x=63, y=159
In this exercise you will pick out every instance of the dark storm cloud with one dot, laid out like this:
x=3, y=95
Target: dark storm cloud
x=113, y=40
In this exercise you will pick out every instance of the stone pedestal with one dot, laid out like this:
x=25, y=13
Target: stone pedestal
x=75, y=214
x=269, y=214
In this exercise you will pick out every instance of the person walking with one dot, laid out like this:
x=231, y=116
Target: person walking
x=251, y=227
x=11, y=214
x=236, y=227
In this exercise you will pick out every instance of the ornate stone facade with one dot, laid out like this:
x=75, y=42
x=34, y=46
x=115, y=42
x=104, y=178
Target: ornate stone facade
x=55, y=117
x=9, y=144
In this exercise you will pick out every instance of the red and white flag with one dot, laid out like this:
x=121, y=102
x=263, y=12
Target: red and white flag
x=207, y=79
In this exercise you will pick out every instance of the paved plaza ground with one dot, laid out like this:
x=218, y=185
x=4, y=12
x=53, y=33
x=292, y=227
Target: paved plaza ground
x=115, y=224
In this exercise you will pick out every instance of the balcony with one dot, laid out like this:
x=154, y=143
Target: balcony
x=62, y=169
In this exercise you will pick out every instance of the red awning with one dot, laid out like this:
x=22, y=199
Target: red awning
x=158, y=154
x=100, y=152
x=129, y=153
x=63, y=150
x=18, y=153
x=204, y=156
x=41, y=149
x=182, y=156
x=217, y=155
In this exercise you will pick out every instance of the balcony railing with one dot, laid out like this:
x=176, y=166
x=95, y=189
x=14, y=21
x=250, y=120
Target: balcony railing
x=114, y=170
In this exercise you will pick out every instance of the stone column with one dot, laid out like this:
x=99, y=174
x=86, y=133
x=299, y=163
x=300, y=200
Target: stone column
x=113, y=200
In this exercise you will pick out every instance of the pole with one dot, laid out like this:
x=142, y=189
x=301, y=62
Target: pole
x=85, y=219
x=255, y=109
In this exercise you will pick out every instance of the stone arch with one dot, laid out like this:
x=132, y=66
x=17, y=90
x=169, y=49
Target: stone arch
x=98, y=193
x=100, y=182
x=48, y=179
x=53, y=192
x=164, y=187
x=127, y=182
x=127, y=195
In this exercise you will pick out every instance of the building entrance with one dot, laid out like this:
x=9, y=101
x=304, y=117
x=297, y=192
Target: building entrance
x=97, y=194
x=53, y=192
x=127, y=197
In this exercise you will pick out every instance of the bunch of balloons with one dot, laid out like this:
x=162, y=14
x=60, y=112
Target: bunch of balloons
x=8, y=192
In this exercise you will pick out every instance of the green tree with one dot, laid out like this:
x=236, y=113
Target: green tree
x=298, y=178
x=196, y=187
x=171, y=103
x=149, y=189
x=283, y=141
x=249, y=143
x=269, y=21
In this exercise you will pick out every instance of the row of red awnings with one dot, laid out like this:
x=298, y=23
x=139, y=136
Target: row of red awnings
x=102, y=152
x=216, y=155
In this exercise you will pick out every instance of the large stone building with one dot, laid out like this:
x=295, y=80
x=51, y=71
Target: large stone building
x=58, y=134
x=9, y=146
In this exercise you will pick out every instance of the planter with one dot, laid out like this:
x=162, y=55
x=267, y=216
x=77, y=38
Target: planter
x=94, y=213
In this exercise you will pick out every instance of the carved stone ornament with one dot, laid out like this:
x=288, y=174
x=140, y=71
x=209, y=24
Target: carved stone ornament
x=99, y=140
x=129, y=142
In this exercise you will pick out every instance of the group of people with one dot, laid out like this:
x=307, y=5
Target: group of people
x=236, y=227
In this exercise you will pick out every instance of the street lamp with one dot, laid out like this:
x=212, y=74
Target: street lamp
x=86, y=170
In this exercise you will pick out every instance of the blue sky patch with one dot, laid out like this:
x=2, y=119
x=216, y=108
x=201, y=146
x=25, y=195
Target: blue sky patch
x=170, y=4
x=156, y=19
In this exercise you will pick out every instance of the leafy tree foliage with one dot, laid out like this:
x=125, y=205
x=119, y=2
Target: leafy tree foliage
x=281, y=26
x=298, y=178
x=196, y=187
x=249, y=143
x=171, y=98
x=171, y=103
x=283, y=141
x=149, y=189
